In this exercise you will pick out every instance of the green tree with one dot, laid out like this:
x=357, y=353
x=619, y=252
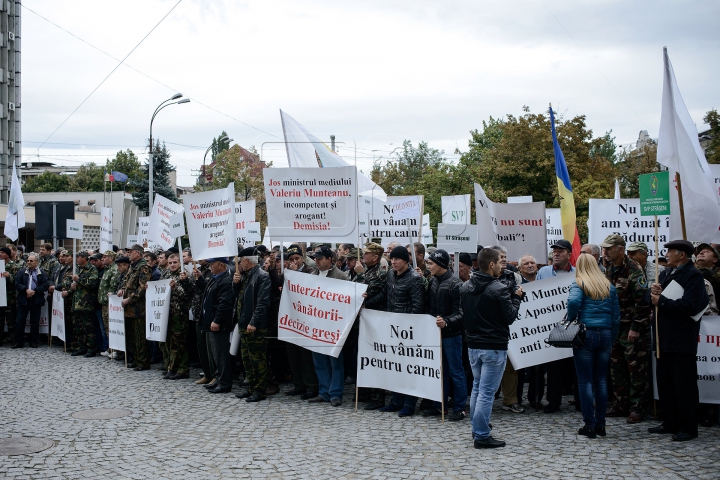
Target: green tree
x=242, y=166
x=712, y=153
x=161, y=178
x=47, y=182
x=126, y=162
x=218, y=146
x=89, y=178
x=634, y=162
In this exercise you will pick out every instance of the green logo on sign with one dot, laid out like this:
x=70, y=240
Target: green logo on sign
x=653, y=185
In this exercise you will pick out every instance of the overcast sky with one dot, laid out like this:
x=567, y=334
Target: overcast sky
x=373, y=72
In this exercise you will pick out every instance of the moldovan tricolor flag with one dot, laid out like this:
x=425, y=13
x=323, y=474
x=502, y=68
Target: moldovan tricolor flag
x=567, y=201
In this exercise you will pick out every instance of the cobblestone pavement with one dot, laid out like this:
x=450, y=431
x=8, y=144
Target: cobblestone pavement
x=177, y=430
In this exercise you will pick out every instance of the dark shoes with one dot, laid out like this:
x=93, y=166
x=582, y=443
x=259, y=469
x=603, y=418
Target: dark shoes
x=33, y=345
x=17, y=345
x=683, y=437
x=616, y=412
x=211, y=385
x=255, y=397
x=551, y=409
x=140, y=369
x=243, y=394
x=488, y=442
x=661, y=430
x=219, y=389
x=77, y=353
x=588, y=432
x=335, y=402
x=600, y=430
x=272, y=389
x=317, y=399
x=295, y=391
x=390, y=408
x=406, y=412
x=179, y=376
x=431, y=412
x=308, y=395
x=634, y=417
x=90, y=354
x=457, y=416
x=374, y=405
x=168, y=374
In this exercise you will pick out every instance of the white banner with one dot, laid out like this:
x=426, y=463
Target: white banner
x=249, y=234
x=3, y=285
x=57, y=328
x=160, y=230
x=157, y=310
x=383, y=223
x=116, y=323
x=144, y=233
x=553, y=227
x=400, y=352
x=74, y=229
x=623, y=217
x=106, y=229
x=308, y=202
x=456, y=209
x=211, y=223
x=177, y=225
x=708, y=360
x=131, y=240
x=545, y=305
x=519, y=227
x=317, y=312
x=456, y=237
x=408, y=207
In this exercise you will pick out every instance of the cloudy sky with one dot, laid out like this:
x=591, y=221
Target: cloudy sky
x=373, y=72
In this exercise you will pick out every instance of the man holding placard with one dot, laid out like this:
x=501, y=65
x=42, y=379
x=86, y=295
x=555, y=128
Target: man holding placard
x=8, y=314
x=173, y=349
x=84, y=287
x=133, y=293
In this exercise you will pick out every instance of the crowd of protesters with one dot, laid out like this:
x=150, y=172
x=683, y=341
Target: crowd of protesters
x=615, y=294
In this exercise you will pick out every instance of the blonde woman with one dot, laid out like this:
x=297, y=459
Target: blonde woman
x=594, y=301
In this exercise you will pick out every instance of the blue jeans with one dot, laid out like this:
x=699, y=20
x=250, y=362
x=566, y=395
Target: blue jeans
x=453, y=371
x=487, y=367
x=331, y=375
x=102, y=339
x=591, y=364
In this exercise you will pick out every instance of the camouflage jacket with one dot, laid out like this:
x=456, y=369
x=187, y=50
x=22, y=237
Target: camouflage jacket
x=197, y=294
x=631, y=285
x=65, y=280
x=108, y=284
x=134, y=288
x=376, y=280
x=12, y=268
x=713, y=277
x=49, y=265
x=182, y=293
x=85, y=288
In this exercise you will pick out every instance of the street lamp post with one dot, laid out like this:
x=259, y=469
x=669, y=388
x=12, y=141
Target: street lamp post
x=219, y=141
x=152, y=155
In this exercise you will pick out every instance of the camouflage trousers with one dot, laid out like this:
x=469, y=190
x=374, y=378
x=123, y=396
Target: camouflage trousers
x=106, y=319
x=71, y=339
x=629, y=369
x=253, y=350
x=175, y=354
x=135, y=337
x=84, y=329
x=7, y=318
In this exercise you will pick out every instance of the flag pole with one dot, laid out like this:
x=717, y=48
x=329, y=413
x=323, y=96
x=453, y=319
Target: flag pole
x=682, y=208
x=657, y=263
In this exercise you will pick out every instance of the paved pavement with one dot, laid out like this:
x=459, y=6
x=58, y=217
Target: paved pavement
x=177, y=430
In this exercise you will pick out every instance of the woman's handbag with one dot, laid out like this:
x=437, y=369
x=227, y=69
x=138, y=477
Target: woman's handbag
x=567, y=334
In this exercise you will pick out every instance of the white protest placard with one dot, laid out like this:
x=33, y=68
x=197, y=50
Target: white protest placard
x=400, y=352
x=245, y=211
x=545, y=305
x=708, y=359
x=57, y=327
x=520, y=199
x=131, y=240
x=116, y=323
x=74, y=229
x=249, y=234
x=106, y=229
x=311, y=202
x=519, y=227
x=384, y=225
x=177, y=225
x=553, y=226
x=159, y=229
x=144, y=233
x=3, y=285
x=244, y=222
x=622, y=216
x=406, y=207
x=456, y=237
x=157, y=310
x=456, y=209
x=317, y=312
x=210, y=220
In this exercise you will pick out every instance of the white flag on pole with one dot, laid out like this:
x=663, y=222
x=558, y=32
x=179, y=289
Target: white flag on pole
x=15, y=218
x=617, y=189
x=679, y=150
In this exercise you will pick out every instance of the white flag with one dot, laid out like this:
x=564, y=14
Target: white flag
x=679, y=150
x=15, y=218
x=305, y=150
x=617, y=189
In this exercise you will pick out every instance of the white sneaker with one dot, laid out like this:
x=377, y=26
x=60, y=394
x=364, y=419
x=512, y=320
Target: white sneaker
x=105, y=353
x=112, y=355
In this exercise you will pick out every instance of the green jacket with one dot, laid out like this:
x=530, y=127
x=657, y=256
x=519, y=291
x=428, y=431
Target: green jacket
x=85, y=288
x=133, y=288
x=12, y=268
x=181, y=295
x=48, y=265
x=631, y=285
x=108, y=284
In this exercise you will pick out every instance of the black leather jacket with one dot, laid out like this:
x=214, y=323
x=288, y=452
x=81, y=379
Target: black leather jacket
x=444, y=301
x=489, y=309
x=254, y=306
x=216, y=302
x=405, y=292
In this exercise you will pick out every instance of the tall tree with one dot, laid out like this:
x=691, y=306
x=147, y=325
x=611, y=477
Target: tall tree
x=712, y=153
x=47, y=182
x=634, y=162
x=126, y=162
x=161, y=178
x=219, y=146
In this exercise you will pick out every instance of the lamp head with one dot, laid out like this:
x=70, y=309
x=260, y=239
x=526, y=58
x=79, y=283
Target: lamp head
x=184, y=100
x=176, y=96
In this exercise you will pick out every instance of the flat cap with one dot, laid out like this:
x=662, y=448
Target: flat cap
x=562, y=243
x=218, y=259
x=682, y=245
x=248, y=252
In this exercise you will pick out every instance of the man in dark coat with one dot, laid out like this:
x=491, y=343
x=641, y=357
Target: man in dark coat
x=31, y=285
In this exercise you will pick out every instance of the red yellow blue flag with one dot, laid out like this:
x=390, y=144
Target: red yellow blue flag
x=567, y=201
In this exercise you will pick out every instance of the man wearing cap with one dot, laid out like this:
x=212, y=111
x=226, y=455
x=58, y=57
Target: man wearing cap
x=216, y=317
x=561, y=251
x=302, y=367
x=108, y=284
x=638, y=252
x=84, y=288
x=251, y=286
x=706, y=261
x=678, y=338
x=444, y=305
x=101, y=333
x=133, y=293
x=629, y=359
x=405, y=294
x=355, y=269
x=8, y=314
x=465, y=266
x=175, y=355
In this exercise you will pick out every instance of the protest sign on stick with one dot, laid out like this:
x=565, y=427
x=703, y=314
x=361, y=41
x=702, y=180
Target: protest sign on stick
x=3, y=285
x=159, y=230
x=57, y=328
x=456, y=209
x=401, y=353
x=317, y=312
x=211, y=223
x=116, y=323
x=157, y=310
x=106, y=229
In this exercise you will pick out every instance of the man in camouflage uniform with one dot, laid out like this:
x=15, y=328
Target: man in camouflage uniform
x=175, y=355
x=8, y=314
x=84, y=287
x=133, y=293
x=48, y=263
x=629, y=359
x=108, y=285
x=706, y=260
x=375, y=277
x=63, y=283
x=56, y=284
